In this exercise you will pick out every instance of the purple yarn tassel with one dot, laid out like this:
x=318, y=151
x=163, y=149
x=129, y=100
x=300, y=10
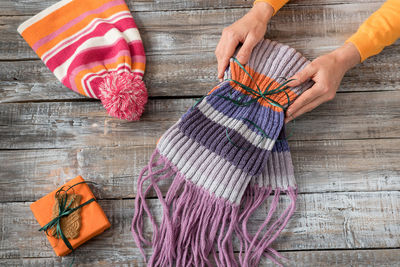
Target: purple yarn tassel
x=253, y=247
x=147, y=174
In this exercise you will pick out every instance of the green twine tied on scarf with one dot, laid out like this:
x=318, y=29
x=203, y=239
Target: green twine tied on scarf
x=64, y=210
x=257, y=94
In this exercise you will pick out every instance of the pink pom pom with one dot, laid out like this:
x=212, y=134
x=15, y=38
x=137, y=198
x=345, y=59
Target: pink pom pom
x=123, y=95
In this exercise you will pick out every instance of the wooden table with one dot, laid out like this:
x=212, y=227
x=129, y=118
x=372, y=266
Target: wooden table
x=346, y=152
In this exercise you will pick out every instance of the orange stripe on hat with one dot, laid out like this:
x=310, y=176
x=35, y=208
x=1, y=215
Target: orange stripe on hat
x=59, y=18
x=77, y=27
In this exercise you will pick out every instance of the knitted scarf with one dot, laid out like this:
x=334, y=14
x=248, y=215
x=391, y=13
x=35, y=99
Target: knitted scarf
x=224, y=161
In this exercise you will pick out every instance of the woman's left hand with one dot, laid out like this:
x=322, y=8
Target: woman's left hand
x=327, y=72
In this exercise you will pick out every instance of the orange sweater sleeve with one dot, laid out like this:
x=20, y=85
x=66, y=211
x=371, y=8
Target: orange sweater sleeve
x=276, y=4
x=381, y=29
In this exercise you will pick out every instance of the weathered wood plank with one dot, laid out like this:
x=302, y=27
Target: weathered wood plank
x=180, y=75
x=322, y=221
x=166, y=75
x=9, y=7
x=86, y=124
x=320, y=166
x=175, y=66
x=312, y=29
x=377, y=257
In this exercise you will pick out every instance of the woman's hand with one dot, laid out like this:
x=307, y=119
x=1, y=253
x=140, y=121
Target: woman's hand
x=327, y=72
x=248, y=30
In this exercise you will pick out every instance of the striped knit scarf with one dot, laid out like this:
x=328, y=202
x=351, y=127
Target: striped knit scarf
x=224, y=161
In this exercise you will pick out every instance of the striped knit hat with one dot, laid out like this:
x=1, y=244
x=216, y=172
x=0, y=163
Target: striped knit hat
x=213, y=153
x=94, y=48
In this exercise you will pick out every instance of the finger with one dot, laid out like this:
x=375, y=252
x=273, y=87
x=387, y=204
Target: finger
x=225, y=51
x=310, y=106
x=302, y=76
x=222, y=64
x=305, y=98
x=245, y=51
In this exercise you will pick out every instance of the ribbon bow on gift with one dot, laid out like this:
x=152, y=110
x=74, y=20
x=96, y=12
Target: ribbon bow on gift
x=64, y=209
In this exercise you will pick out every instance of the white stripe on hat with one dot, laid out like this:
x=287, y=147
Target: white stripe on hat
x=111, y=37
x=91, y=27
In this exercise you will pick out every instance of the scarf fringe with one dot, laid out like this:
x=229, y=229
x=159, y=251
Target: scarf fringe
x=193, y=221
x=252, y=248
x=195, y=224
x=153, y=176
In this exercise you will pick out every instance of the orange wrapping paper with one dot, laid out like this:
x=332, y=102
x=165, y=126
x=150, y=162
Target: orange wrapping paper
x=93, y=219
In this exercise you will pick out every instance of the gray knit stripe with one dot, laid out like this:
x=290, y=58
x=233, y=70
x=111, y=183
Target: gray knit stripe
x=278, y=173
x=291, y=181
x=237, y=125
x=203, y=167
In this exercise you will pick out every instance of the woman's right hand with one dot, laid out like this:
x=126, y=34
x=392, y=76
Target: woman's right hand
x=248, y=30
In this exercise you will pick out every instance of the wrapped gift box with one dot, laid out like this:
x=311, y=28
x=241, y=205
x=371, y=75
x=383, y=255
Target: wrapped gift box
x=92, y=222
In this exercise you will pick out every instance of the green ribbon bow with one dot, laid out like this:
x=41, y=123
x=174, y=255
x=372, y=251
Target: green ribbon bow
x=64, y=210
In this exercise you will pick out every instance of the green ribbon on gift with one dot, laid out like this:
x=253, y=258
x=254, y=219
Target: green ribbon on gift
x=64, y=210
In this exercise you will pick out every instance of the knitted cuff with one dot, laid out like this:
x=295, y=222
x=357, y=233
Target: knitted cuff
x=276, y=4
x=271, y=62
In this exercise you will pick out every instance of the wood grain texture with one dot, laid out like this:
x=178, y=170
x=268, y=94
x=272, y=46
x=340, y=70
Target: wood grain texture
x=9, y=7
x=320, y=166
x=191, y=32
x=180, y=55
x=179, y=32
x=180, y=75
x=346, y=152
x=322, y=221
x=166, y=75
x=345, y=258
x=86, y=124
